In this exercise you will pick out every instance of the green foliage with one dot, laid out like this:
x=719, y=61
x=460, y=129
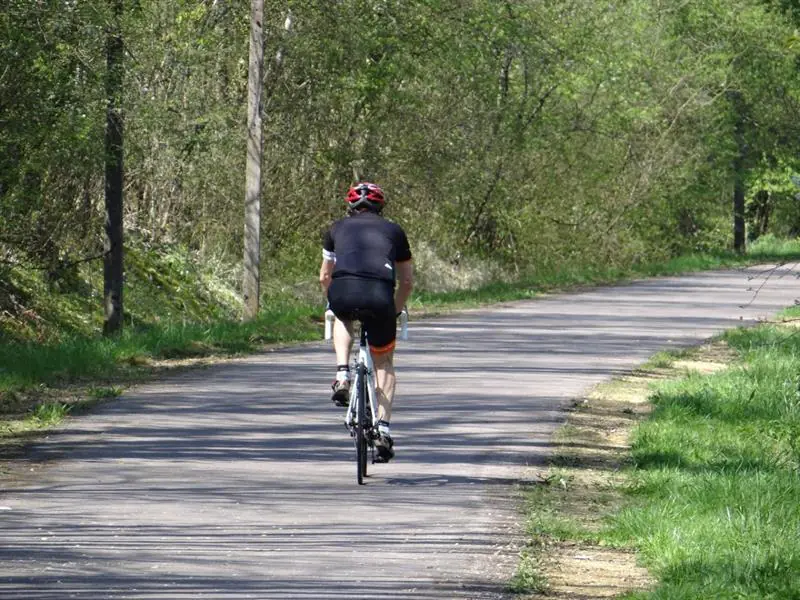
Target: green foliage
x=164, y=284
x=513, y=139
x=50, y=128
x=527, y=579
x=769, y=247
x=102, y=393
x=49, y=413
x=168, y=284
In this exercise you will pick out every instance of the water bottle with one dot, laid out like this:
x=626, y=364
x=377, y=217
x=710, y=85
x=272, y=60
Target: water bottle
x=404, y=325
x=329, y=319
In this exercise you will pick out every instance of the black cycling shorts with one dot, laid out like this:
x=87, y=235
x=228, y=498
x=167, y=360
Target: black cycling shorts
x=371, y=300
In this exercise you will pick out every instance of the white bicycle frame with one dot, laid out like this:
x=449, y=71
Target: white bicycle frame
x=364, y=357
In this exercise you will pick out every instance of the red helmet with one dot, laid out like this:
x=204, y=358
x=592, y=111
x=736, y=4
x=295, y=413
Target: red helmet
x=366, y=195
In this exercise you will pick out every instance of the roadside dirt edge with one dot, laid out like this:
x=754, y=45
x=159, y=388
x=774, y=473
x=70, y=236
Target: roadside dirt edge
x=582, y=487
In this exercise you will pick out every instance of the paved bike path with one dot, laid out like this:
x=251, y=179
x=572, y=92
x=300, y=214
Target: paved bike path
x=238, y=481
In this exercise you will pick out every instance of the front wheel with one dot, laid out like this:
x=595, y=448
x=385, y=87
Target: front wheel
x=362, y=426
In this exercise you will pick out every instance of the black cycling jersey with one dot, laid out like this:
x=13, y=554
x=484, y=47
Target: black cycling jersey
x=366, y=245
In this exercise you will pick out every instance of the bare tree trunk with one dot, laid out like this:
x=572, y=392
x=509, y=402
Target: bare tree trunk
x=113, y=256
x=738, y=214
x=252, y=200
x=738, y=173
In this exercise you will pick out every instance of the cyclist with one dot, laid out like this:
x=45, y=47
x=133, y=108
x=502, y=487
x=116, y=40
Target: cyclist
x=366, y=265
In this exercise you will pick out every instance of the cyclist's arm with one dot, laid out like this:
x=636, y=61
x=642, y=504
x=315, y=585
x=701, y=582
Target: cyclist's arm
x=325, y=272
x=405, y=283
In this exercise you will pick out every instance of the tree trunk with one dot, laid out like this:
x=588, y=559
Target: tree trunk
x=112, y=262
x=738, y=215
x=252, y=200
x=738, y=173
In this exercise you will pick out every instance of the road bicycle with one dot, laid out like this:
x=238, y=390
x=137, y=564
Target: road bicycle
x=361, y=417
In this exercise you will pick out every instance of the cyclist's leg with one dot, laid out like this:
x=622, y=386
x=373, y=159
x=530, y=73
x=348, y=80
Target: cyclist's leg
x=342, y=300
x=342, y=341
x=382, y=332
x=384, y=383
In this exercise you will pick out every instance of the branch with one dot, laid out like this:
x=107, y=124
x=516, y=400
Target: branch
x=770, y=272
x=498, y=173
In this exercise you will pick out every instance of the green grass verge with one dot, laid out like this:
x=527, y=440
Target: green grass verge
x=76, y=357
x=713, y=491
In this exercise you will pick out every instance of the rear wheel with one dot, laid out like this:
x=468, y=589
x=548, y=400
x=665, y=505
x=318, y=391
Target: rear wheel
x=362, y=425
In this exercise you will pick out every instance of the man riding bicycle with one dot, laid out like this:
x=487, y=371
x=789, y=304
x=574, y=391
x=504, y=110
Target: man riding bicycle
x=364, y=258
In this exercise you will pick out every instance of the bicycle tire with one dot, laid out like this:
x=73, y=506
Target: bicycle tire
x=361, y=425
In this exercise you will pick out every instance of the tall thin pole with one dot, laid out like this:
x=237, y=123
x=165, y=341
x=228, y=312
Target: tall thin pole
x=252, y=201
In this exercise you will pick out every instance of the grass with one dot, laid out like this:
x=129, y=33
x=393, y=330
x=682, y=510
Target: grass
x=710, y=495
x=49, y=413
x=77, y=357
x=527, y=578
x=715, y=486
x=547, y=520
x=662, y=359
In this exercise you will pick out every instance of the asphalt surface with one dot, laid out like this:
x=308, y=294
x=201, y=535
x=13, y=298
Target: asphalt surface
x=238, y=480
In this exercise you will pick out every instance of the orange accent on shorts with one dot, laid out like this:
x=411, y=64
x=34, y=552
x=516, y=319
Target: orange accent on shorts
x=382, y=349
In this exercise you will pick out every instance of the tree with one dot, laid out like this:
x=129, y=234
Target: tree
x=252, y=200
x=738, y=108
x=113, y=257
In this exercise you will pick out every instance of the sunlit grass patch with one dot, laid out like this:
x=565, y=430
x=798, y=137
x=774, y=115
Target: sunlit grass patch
x=104, y=392
x=26, y=364
x=772, y=248
x=547, y=520
x=527, y=579
x=49, y=414
x=666, y=358
x=714, y=491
